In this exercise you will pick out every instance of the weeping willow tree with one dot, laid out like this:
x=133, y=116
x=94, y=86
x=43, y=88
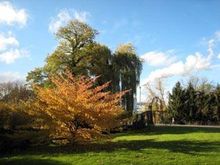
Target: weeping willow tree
x=128, y=67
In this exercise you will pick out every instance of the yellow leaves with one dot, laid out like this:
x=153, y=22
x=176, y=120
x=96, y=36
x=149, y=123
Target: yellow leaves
x=80, y=109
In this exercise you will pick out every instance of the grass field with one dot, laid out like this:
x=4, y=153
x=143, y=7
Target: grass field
x=160, y=145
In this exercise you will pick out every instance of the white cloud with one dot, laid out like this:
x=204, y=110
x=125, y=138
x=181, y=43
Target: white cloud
x=193, y=63
x=217, y=35
x=156, y=58
x=10, y=15
x=11, y=55
x=9, y=49
x=10, y=76
x=64, y=16
x=61, y=19
x=7, y=41
x=211, y=44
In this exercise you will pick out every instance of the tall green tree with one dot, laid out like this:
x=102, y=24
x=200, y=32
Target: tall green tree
x=176, y=103
x=74, y=39
x=190, y=108
x=128, y=67
x=201, y=105
x=217, y=97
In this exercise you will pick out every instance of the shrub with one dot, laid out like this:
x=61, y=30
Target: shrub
x=77, y=109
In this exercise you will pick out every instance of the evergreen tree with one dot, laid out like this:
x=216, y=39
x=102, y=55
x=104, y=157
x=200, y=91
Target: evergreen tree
x=176, y=103
x=217, y=97
x=195, y=104
x=201, y=105
x=190, y=108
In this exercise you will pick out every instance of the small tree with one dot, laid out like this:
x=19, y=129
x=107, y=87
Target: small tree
x=78, y=109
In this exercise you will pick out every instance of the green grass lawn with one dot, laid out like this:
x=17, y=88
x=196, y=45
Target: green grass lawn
x=160, y=145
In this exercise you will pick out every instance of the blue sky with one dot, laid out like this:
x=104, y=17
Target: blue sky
x=176, y=39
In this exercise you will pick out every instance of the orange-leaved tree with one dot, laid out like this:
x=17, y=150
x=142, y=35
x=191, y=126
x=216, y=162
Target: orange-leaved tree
x=78, y=108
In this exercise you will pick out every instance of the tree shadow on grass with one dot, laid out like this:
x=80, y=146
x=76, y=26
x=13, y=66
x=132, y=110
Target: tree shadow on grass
x=180, y=146
x=186, y=147
x=31, y=161
x=158, y=130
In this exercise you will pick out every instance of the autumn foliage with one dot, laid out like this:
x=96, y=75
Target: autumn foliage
x=77, y=108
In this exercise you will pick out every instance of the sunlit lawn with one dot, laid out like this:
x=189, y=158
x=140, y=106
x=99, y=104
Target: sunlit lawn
x=160, y=145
